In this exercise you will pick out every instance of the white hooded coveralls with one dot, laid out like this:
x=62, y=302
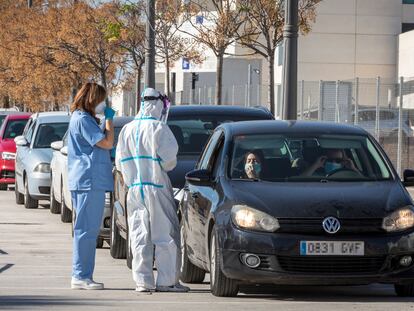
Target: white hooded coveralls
x=146, y=151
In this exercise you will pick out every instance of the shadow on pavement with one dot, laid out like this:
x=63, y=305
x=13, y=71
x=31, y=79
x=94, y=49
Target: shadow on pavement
x=20, y=301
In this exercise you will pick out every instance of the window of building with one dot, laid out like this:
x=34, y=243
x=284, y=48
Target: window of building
x=408, y=1
x=407, y=27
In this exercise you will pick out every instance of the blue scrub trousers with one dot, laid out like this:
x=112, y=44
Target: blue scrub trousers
x=89, y=206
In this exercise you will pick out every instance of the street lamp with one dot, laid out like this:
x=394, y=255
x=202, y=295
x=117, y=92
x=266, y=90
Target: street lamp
x=290, y=63
x=150, y=50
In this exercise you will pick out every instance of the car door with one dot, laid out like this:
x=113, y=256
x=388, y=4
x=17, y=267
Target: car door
x=198, y=203
x=65, y=184
x=22, y=154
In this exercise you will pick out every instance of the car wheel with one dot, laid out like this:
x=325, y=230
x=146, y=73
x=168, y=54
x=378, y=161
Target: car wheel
x=99, y=242
x=3, y=187
x=19, y=196
x=29, y=202
x=220, y=285
x=54, y=205
x=404, y=290
x=65, y=212
x=189, y=273
x=117, y=243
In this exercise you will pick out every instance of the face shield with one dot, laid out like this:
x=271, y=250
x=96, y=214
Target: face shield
x=165, y=105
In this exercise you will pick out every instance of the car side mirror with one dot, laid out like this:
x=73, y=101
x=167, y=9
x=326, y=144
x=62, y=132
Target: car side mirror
x=408, y=179
x=57, y=145
x=21, y=141
x=199, y=177
x=64, y=150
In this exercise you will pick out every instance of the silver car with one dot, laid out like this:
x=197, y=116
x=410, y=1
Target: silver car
x=60, y=197
x=34, y=154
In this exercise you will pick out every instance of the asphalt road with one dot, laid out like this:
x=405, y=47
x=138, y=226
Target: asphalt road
x=35, y=265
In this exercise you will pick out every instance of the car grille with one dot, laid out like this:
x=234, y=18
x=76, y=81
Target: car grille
x=7, y=174
x=314, y=225
x=332, y=264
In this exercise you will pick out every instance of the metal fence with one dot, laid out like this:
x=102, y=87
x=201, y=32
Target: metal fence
x=383, y=107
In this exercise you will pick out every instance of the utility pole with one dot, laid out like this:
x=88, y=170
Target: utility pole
x=150, y=50
x=290, y=63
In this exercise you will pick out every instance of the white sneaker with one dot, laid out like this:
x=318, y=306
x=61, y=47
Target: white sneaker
x=86, y=284
x=142, y=289
x=177, y=288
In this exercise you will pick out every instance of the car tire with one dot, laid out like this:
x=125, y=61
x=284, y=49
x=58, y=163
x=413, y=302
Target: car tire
x=29, y=202
x=406, y=290
x=117, y=243
x=19, y=196
x=54, y=205
x=220, y=285
x=3, y=187
x=65, y=212
x=99, y=242
x=189, y=273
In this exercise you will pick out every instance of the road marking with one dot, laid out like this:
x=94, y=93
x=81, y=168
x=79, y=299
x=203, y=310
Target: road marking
x=6, y=267
x=2, y=252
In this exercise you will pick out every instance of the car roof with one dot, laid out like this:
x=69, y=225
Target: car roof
x=291, y=127
x=50, y=117
x=12, y=112
x=122, y=120
x=18, y=116
x=192, y=110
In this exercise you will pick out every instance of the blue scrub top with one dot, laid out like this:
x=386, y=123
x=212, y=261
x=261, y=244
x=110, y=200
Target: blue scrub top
x=89, y=167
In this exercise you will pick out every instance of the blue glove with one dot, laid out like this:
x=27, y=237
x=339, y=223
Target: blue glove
x=109, y=113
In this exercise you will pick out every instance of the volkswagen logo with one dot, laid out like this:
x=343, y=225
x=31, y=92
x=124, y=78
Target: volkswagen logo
x=331, y=225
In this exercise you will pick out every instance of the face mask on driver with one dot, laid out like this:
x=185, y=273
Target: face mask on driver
x=256, y=167
x=332, y=166
x=100, y=108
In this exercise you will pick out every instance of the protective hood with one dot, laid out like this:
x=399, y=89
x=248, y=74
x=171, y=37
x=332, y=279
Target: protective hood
x=151, y=108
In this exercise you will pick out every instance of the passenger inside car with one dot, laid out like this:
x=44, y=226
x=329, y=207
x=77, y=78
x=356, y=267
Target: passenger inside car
x=253, y=165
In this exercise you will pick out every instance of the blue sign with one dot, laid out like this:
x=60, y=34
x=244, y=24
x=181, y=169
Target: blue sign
x=186, y=64
x=199, y=19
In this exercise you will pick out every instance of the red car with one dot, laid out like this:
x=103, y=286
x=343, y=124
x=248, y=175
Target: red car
x=13, y=126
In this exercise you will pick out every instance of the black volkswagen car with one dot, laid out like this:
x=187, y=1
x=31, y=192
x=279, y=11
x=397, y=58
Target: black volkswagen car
x=191, y=126
x=296, y=203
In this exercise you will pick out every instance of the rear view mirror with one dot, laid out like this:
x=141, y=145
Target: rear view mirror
x=21, y=141
x=408, y=179
x=64, y=150
x=199, y=177
x=57, y=145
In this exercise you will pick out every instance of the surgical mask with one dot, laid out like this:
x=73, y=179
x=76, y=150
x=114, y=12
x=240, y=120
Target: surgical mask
x=100, y=108
x=332, y=166
x=257, y=168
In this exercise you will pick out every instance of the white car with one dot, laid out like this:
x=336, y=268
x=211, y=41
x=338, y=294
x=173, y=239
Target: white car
x=34, y=154
x=60, y=197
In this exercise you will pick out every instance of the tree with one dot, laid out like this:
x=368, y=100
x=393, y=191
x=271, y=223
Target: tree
x=264, y=31
x=219, y=29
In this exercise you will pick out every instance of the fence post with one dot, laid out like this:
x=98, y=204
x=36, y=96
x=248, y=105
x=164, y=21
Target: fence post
x=320, y=108
x=356, y=108
x=199, y=95
x=246, y=93
x=258, y=95
x=337, y=100
x=377, y=110
x=302, y=94
x=399, y=147
x=233, y=95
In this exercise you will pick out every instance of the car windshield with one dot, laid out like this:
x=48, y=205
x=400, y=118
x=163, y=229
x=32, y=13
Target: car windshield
x=14, y=128
x=192, y=133
x=48, y=133
x=281, y=158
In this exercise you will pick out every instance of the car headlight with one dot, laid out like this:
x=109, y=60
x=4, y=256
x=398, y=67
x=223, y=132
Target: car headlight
x=399, y=220
x=8, y=156
x=42, y=168
x=249, y=218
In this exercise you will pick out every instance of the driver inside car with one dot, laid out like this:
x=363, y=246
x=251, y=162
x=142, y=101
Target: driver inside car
x=333, y=160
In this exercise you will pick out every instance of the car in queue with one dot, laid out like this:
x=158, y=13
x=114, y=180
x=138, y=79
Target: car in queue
x=12, y=126
x=302, y=220
x=34, y=154
x=60, y=198
x=191, y=126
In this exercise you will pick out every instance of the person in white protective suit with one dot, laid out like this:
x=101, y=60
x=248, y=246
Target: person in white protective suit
x=146, y=151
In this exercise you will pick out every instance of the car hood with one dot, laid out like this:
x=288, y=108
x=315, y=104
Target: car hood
x=41, y=155
x=7, y=145
x=184, y=165
x=340, y=199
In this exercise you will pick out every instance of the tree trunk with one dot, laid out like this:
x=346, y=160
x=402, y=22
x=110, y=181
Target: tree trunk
x=271, y=90
x=138, y=88
x=219, y=78
x=6, y=101
x=167, y=87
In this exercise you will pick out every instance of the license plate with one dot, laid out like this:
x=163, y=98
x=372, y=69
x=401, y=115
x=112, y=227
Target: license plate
x=332, y=248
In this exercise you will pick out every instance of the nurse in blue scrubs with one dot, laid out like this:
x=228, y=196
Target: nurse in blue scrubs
x=89, y=177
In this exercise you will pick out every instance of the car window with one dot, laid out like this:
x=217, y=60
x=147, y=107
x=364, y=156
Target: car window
x=215, y=159
x=14, y=128
x=192, y=133
x=2, y=117
x=314, y=158
x=208, y=151
x=48, y=133
x=30, y=131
